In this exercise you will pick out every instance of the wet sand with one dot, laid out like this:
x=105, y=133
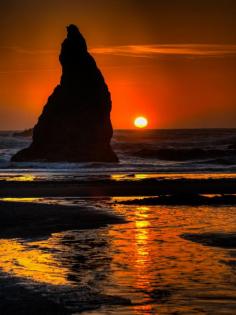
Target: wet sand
x=222, y=240
x=18, y=299
x=145, y=187
x=31, y=221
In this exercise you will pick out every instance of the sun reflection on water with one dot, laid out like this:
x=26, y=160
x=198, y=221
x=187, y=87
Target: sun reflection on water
x=156, y=257
x=141, y=235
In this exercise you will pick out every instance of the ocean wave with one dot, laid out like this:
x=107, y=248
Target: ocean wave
x=232, y=146
x=149, y=151
x=184, y=154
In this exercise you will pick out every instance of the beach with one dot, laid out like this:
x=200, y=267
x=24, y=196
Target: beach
x=110, y=255
x=118, y=246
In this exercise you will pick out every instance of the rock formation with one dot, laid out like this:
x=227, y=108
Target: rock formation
x=75, y=124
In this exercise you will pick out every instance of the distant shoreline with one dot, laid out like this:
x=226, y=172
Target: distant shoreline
x=95, y=188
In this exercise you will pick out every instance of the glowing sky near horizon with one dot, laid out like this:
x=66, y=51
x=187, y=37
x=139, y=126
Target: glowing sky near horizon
x=173, y=62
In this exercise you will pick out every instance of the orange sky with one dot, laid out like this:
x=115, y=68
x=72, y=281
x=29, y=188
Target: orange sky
x=171, y=61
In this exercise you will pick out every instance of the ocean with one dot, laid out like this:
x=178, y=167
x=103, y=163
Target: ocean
x=146, y=152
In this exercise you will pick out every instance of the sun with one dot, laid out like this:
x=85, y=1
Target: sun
x=140, y=122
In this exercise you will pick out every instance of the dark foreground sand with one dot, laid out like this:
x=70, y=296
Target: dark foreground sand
x=18, y=299
x=19, y=219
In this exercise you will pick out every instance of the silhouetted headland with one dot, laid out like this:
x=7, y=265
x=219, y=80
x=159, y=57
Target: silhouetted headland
x=75, y=124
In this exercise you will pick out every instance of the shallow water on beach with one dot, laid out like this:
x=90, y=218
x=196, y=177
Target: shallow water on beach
x=145, y=260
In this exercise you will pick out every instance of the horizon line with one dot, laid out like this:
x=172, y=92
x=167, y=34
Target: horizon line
x=138, y=129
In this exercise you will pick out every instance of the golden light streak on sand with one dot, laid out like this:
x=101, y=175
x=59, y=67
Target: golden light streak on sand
x=19, y=199
x=21, y=178
x=35, y=264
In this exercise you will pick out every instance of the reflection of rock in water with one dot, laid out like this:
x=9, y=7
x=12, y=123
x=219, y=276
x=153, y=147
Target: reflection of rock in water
x=75, y=124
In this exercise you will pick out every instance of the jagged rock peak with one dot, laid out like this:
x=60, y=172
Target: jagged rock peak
x=75, y=124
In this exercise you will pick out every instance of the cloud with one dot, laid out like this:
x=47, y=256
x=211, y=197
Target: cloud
x=151, y=51
x=146, y=51
x=24, y=51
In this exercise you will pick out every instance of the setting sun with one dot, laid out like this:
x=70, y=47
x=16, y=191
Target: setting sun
x=140, y=122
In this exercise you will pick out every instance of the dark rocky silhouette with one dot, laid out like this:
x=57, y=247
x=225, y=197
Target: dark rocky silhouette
x=75, y=124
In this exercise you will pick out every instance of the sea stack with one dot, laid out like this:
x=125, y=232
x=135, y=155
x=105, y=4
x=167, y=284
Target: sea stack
x=75, y=124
